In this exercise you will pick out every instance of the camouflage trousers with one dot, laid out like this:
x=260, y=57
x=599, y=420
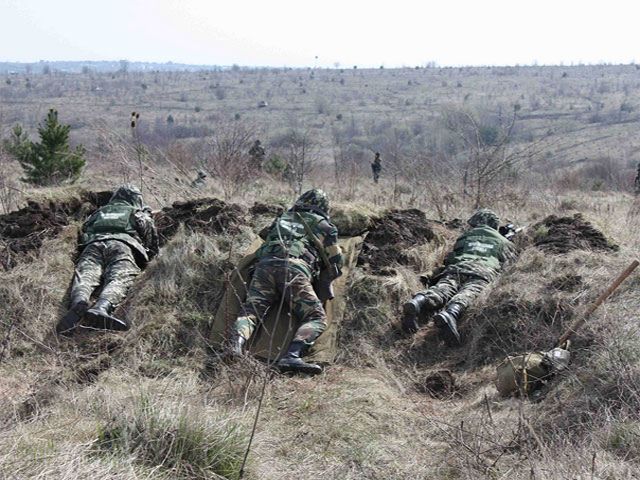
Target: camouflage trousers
x=455, y=287
x=110, y=263
x=275, y=281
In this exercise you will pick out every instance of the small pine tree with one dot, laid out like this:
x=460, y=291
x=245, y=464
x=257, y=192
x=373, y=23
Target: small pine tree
x=51, y=161
x=18, y=142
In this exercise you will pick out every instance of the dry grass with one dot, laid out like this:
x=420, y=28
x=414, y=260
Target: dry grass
x=369, y=416
x=366, y=417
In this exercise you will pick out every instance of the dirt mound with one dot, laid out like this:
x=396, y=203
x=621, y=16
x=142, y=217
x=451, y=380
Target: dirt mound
x=208, y=215
x=439, y=384
x=392, y=234
x=562, y=234
x=259, y=208
x=24, y=230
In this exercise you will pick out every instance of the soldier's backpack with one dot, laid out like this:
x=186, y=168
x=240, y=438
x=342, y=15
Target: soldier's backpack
x=526, y=372
x=288, y=237
x=109, y=220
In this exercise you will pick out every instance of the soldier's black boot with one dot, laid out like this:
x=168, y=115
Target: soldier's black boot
x=99, y=316
x=235, y=346
x=292, y=361
x=447, y=322
x=70, y=320
x=412, y=310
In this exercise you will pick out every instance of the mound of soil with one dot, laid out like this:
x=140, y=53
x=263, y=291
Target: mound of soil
x=259, y=208
x=208, y=215
x=562, y=234
x=439, y=384
x=24, y=230
x=391, y=235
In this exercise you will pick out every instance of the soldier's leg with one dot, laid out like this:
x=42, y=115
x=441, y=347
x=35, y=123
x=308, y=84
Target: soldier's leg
x=86, y=279
x=447, y=318
x=121, y=270
x=260, y=297
x=88, y=273
x=469, y=290
x=429, y=300
x=308, y=310
x=306, y=307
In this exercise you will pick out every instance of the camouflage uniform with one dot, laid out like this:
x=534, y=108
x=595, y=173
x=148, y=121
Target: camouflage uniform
x=376, y=167
x=200, y=180
x=257, y=154
x=115, y=243
x=475, y=261
x=288, y=262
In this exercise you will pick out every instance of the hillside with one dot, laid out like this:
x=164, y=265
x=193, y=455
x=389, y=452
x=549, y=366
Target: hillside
x=158, y=401
x=390, y=407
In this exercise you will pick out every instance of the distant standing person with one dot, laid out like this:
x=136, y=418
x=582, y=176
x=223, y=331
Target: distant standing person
x=257, y=154
x=636, y=182
x=376, y=167
x=200, y=180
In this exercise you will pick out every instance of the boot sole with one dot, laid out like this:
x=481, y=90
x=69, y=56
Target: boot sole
x=409, y=318
x=99, y=321
x=446, y=334
x=68, y=323
x=317, y=370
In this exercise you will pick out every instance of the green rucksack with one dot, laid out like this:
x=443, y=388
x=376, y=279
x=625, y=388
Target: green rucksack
x=526, y=372
x=109, y=220
x=288, y=237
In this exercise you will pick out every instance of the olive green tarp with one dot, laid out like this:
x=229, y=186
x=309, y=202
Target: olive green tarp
x=272, y=338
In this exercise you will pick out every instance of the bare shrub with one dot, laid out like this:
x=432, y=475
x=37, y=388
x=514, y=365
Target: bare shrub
x=301, y=151
x=486, y=155
x=9, y=193
x=228, y=158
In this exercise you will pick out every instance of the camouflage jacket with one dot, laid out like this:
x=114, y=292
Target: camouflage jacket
x=137, y=229
x=288, y=237
x=480, y=252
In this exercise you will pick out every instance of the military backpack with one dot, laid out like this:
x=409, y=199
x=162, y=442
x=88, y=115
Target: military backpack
x=109, y=220
x=288, y=237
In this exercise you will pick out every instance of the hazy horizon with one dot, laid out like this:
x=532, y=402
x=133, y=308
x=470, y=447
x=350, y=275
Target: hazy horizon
x=299, y=35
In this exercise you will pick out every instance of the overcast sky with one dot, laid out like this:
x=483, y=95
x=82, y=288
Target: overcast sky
x=349, y=32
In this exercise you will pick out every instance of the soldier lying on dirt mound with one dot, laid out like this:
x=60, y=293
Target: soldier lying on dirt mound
x=476, y=260
x=116, y=242
x=298, y=245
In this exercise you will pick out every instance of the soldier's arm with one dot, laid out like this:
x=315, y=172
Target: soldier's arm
x=147, y=231
x=82, y=230
x=265, y=231
x=328, y=235
x=509, y=252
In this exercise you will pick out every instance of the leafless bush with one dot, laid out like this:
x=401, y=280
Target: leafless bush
x=228, y=157
x=301, y=151
x=8, y=190
x=486, y=154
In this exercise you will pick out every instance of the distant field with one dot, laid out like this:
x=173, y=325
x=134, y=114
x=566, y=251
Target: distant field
x=587, y=116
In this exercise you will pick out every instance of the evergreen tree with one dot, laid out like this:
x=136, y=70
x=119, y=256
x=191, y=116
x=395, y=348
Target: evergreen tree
x=51, y=161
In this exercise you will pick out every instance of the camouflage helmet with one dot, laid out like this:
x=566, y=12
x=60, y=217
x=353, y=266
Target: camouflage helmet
x=316, y=199
x=129, y=194
x=483, y=217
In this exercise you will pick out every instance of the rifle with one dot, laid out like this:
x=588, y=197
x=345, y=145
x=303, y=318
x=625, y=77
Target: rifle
x=328, y=273
x=509, y=231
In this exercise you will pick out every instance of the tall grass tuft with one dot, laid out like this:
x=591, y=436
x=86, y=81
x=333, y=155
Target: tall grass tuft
x=178, y=439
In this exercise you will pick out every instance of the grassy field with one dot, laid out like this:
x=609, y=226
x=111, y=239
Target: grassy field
x=155, y=402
